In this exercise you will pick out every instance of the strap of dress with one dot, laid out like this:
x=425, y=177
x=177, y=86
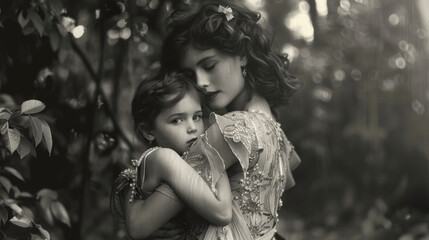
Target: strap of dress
x=138, y=163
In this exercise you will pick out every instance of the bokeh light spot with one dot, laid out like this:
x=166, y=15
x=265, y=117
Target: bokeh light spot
x=300, y=24
x=304, y=6
x=121, y=23
x=125, y=33
x=153, y=4
x=291, y=51
x=141, y=3
x=143, y=47
x=403, y=45
x=418, y=107
x=78, y=31
x=113, y=34
x=400, y=62
x=322, y=8
x=394, y=19
x=356, y=75
x=339, y=75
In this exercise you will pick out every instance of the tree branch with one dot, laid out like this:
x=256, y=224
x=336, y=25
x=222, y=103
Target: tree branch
x=99, y=91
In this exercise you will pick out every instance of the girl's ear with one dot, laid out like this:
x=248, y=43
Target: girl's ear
x=243, y=61
x=145, y=132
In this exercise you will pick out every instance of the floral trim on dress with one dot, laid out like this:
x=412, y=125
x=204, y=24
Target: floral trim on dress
x=261, y=147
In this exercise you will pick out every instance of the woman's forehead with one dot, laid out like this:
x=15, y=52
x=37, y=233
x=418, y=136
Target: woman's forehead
x=193, y=56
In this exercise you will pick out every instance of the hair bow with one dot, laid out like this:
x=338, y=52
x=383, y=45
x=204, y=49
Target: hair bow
x=227, y=11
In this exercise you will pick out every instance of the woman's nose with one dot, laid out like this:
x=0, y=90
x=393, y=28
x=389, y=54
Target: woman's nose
x=202, y=79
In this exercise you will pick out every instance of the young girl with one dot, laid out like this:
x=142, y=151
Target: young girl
x=232, y=62
x=168, y=116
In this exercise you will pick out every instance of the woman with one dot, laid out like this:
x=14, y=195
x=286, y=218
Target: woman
x=230, y=58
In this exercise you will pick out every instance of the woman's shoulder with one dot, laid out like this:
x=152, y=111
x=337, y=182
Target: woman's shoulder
x=244, y=121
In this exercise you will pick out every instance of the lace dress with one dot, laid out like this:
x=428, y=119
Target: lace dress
x=257, y=180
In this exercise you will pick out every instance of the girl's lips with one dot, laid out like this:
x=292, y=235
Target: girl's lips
x=192, y=140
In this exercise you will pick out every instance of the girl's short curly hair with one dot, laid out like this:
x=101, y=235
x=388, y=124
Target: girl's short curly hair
x=155, y=94
x=200, y=25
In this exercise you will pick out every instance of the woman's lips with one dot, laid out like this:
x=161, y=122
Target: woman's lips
x=211, y=95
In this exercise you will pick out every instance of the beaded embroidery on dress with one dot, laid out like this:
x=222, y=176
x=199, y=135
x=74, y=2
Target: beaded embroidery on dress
x=264, y=153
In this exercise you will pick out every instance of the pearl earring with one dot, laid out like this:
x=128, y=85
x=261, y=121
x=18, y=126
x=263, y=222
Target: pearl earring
x=244, y=72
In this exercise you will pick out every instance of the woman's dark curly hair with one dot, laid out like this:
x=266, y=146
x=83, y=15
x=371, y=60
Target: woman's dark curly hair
x=201, y=25
x=155, y=94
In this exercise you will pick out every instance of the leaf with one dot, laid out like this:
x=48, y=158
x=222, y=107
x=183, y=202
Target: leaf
x=25, y=147
x=28, y=29
x=3, y=215
x=54, y=39
x=62, y=30
x=11, y=139
x=36, y=130
x=43, y=232
x=5, y=183
x=21, y=221
x=14, y=173
x=4, y=128
x=4, y=115
x=26, y=194
x=15, y=207
x=32, y=106
x=37, y=21
x=36, y=237
x=47, y=214
x=68, y=23
x=46, y=196
x=23, y=21
x=3, y=195
x=56, y=6
x=16, y=191
x=60, y=213
x=28, y=213
x=47, y=136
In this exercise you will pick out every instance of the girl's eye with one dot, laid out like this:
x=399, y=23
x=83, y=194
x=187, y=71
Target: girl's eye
x=197, y=118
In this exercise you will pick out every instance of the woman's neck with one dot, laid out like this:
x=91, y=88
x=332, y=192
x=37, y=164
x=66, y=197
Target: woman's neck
x=256, y=103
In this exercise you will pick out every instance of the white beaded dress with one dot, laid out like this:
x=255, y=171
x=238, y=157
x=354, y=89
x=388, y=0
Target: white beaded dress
x=258, y=179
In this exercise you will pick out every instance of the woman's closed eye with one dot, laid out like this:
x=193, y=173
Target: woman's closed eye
x=176, y=120
x=209, y=67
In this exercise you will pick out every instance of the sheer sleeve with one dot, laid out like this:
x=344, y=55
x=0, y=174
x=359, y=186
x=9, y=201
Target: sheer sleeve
x=206, y=161
x=240, y=134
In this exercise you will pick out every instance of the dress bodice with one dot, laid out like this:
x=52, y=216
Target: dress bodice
x=263, y=170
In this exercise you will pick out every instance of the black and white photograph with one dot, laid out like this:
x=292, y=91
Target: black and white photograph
x=214, y=119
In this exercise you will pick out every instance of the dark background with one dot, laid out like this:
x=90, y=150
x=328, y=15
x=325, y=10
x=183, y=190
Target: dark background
x=359, y=123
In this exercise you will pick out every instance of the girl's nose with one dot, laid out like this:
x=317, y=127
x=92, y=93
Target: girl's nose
x=192, y=128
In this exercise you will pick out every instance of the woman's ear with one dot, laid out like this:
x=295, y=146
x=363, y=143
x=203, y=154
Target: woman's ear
x=243, y=61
